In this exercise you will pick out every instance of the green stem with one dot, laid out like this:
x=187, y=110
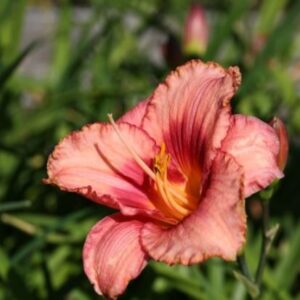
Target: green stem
x=253, y=285
x=242, y=263
x=265, y=243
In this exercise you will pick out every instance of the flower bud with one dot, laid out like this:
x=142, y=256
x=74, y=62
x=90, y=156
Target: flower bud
x=195, y=31
x=281, y=132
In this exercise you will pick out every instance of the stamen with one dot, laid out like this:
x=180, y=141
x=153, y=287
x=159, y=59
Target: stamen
x=161, y=163
x=135, y=156
x=173, y=198
x=184, y=201
x=163, y=193
x=174, y=207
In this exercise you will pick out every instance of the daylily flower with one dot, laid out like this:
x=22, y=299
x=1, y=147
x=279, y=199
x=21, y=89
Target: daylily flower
x=177, y=167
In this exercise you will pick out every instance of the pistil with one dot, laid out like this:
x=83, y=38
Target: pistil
x=135, y=156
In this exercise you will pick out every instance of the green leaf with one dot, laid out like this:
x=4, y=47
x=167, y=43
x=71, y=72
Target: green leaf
x=225, y=26
x=251, y=287
x=178, y=280
x=14, y=205
x=216, y=278
x=289, y=265
x=11, y=27
x=78, y=295
x=10, y=69
x=284, y=84
x=270, y=10
x=62, y=42
x=4, y=265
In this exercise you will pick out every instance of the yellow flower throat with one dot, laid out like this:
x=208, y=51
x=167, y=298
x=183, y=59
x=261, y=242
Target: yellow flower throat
x=171, y=199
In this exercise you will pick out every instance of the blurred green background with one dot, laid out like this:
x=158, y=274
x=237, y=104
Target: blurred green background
x=67, y=63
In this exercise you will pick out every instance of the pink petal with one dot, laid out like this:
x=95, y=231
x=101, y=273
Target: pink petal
x=135, y=115
x=95, y=163
x=255, y=146
x=216, y=228
x=282, y=134
x=190, y=112
x=112, y=254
